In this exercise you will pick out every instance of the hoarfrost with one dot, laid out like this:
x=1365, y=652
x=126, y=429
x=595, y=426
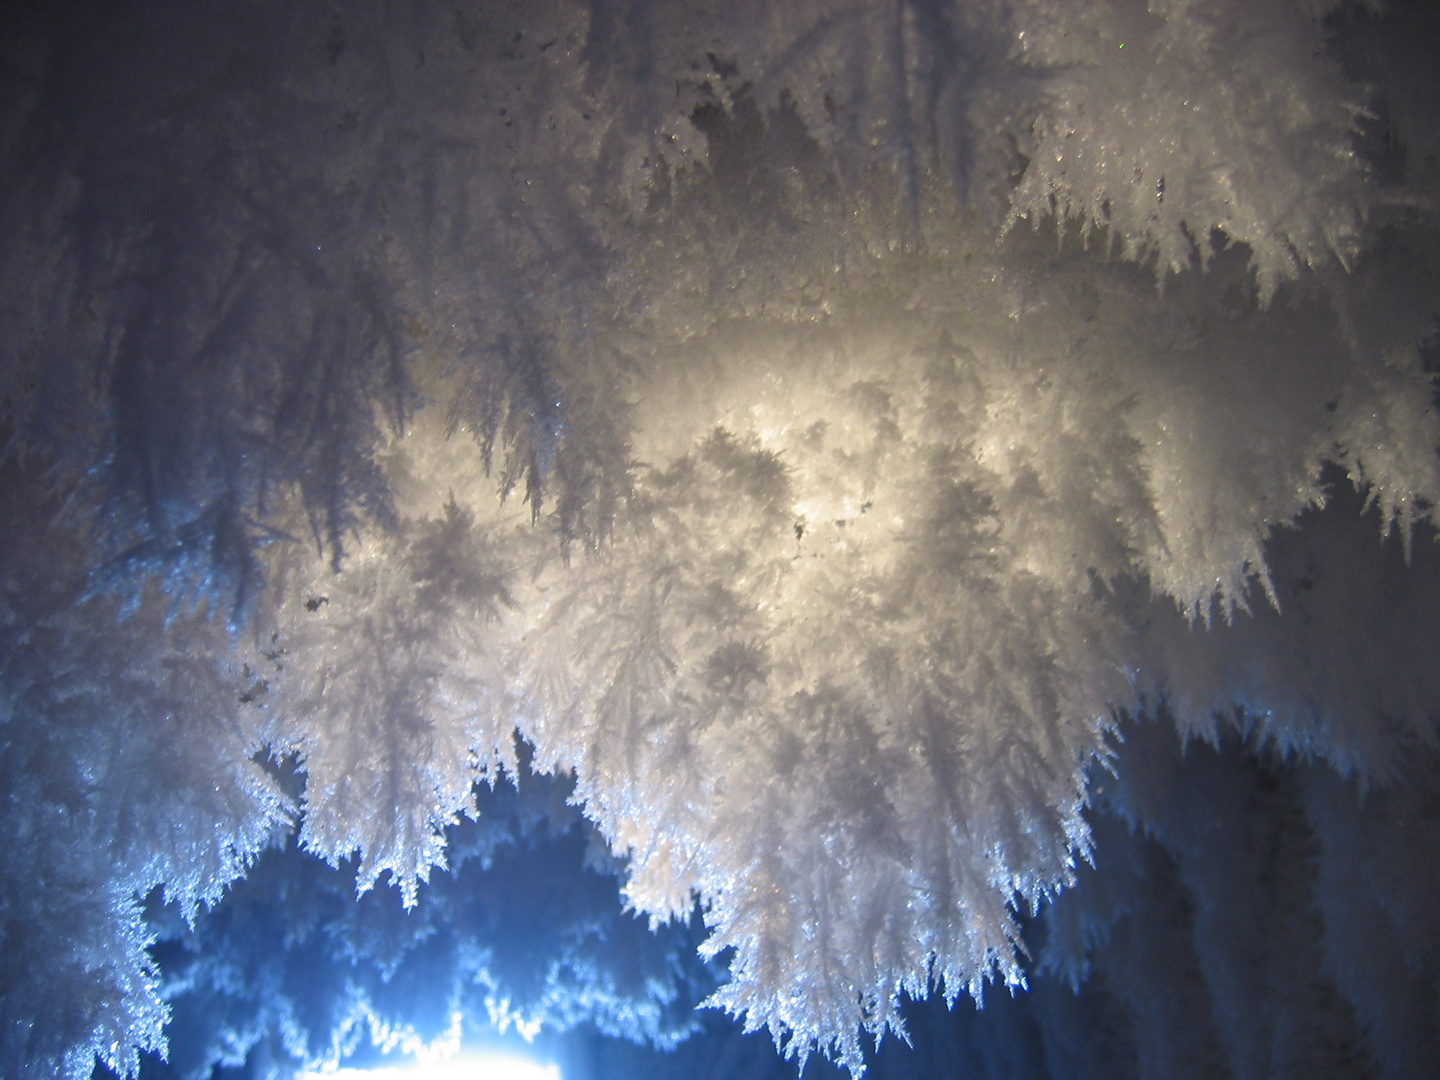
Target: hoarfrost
x=674, y=387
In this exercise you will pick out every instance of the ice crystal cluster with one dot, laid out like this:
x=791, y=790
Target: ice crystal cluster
x=811, y=424
x=523, y=929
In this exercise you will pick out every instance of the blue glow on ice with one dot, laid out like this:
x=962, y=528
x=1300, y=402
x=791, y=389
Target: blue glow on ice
x=463, y=1067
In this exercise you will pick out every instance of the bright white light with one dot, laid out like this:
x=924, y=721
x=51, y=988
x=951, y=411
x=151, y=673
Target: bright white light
x=466, y=1067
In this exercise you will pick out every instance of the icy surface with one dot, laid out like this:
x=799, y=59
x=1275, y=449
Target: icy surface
x=686, y=388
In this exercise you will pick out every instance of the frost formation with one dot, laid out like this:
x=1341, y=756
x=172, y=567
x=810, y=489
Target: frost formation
x=812, y=424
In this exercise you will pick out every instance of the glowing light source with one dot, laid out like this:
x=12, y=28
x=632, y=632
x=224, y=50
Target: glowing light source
x=467, y=1067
